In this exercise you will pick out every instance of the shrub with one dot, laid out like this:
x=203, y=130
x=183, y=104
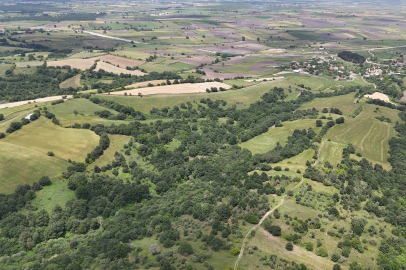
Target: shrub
x=50, y=153
x=335, y=257
x=252, y=219
x=289, y=246
x=321, y=252
x=185, y=248
x=234, y=251
x=45, y=181
x=2, y=135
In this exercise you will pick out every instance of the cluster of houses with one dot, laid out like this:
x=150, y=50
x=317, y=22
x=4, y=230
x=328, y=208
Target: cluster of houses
x=318, y=64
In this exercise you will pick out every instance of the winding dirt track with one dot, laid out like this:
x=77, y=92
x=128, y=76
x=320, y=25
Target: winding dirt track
x=259, y=224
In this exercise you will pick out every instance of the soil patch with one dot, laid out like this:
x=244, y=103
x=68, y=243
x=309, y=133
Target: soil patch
x=185, y=88
x=379, y=96
x=117, y=70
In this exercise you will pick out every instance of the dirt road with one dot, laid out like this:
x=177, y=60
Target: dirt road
x=19, y=103
x=259, y=224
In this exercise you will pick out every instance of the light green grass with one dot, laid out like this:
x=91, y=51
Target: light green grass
x=345, y=103
x=241, y=98
x=21, y=165
x=116, y=143
x=268, y=140
x=57, y=193
x=64, y=111
x=43, y=136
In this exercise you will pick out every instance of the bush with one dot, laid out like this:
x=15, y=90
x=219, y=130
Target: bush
x=185, y=249
x=278, y=168
x=45, y=181
x=335, y=257
x=289, y=246
x=252, y=219
x=234, y=251
x=154, y=249
x=321, y=252
x=2, y=135
x=50, y=153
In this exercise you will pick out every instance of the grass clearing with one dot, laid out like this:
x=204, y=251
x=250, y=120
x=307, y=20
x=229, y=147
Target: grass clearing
x=43, y=136
x=57, y=193
x=116, y=143
x=21, y=165
x=64, y=111
x=268, y=140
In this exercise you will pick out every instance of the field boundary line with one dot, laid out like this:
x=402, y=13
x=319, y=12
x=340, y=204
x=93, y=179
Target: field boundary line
x=387, y=137
x=259, y=224
x=366, y=135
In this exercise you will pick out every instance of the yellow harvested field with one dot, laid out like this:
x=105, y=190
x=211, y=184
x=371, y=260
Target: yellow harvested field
x=117, y=70
x=118, y=60
x=185, y=88
x=73, y=63
x=267, y=79
x=144, y=84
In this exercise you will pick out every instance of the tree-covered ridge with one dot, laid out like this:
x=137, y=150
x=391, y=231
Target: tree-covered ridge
x=42, y=83
x=352, y=57
x=196, y=192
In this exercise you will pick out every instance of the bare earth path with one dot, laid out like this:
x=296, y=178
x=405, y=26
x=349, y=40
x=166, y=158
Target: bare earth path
x=259, y=224
x=366, y=135
x=19, y=103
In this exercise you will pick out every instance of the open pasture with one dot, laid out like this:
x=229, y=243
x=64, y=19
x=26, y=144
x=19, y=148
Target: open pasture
x=85, y=108
x=43, y=136
x=268, y=140
x=21, y=165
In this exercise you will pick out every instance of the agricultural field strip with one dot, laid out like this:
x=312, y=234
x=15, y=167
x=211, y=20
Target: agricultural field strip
x=366, y=135
x=100, y=35
x=382, y=142
x=260, y=222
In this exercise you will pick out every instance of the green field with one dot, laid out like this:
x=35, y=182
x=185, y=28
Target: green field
x=43, y=136
x=268, y=140
x=241, y=98
x=64, y=111
x=23, y=165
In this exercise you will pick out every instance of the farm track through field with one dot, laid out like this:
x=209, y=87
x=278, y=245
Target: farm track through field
x=387, y=137
x=259, y=224
x=366, y=135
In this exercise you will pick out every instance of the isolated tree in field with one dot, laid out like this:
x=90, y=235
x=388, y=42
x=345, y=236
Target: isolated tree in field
x=289, y=246
x=319, y=123
x=258, y=39
x=75, y=112
x=1, y=117
x=154, y=249
x=45, y=181
x=243, y=38
x=2, y=135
